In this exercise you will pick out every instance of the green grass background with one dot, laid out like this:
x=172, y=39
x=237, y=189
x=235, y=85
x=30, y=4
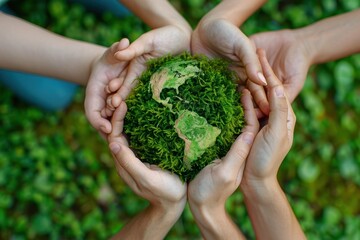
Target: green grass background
x=57, y=178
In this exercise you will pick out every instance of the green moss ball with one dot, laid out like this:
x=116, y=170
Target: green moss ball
x=184, y=113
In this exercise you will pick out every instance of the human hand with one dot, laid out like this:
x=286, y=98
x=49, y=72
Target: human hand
x=210, y=189
x=155, y=43
x=274, y=140
x=104, y=69
x=220, y=38
x=161, y=188
x=289, y=58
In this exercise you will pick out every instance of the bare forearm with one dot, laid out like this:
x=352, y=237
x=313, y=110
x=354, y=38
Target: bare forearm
x=152, y=223
x=29, y=48
x=215, y=223
x=270, y=212
x=157, y=13
x=235, y=11
x=333, y=38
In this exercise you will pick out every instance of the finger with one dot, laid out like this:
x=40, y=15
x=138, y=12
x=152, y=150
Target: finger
x=117, y=120
x=245, y=50
x=278, y=103
x=239, y=151
x=95, y=117
x=109, y=103
x=259, y=95
x=139, y=47
x=125, y=176
x=291, y=121
x=115, y=84
x=127, y=160
x=118, y=46
x=135, y=69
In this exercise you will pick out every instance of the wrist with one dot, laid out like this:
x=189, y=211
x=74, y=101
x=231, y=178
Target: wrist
x=234, y=11
x=310, y=41
x=169, y=209
x=260, y=190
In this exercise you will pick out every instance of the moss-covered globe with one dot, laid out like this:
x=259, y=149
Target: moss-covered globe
x=184, y=113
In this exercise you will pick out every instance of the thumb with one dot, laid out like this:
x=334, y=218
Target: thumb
x=127, y=160
x=118, y=46
x=245, y=50
x=139, y=47
x=278, y=102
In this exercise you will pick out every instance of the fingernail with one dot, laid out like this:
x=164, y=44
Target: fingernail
x=262, y=78
x=115, y=148
x=248, y=138
x=279, y=91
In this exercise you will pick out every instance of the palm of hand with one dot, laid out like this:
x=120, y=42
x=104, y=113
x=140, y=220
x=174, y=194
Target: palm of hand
x=213, y=184
x=287, y=57
x=266, y=155
x=220, y=38
x=153, y=44
x=103, y=71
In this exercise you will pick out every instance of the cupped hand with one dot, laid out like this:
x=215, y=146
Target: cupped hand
x=220, y=38
x=162, y=41
x=217, y=181
x=274, y=140
x=161, y=188
x=288, y=57
x=104, y=69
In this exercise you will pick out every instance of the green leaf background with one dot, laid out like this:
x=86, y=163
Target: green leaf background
x=57, y=178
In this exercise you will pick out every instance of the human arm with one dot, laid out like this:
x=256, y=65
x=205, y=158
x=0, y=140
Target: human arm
x=292, y=52
x=332, y=38
x=157, y=13
x=269, y=211
x=29, y=48
x=165, y=192
x=210, y=189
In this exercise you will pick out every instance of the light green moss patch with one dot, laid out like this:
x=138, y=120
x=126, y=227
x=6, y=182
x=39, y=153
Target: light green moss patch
x=172, y=75
x=197, y=134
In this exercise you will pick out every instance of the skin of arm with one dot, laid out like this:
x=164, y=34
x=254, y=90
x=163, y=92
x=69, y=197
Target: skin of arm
x=234, y=11
x=157, y=13
x=165, y=192
x=332, y=38
x=26, y=47
x=292, y=52
x=210, y=189
x=269, y=211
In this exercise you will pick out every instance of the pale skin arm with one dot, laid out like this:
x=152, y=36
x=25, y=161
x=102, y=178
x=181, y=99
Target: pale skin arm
x=292, y=52
x=157, y=13
x=333, y=38
x=268, y=208
x=26, y=47
x=234, y=11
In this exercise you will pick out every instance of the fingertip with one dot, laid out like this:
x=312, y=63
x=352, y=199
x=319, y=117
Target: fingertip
x=116, y=100
x=248, y=137
x=262, y=79
x=106, y=127
x=279, y=91
x=115, y=147
x=124, y=43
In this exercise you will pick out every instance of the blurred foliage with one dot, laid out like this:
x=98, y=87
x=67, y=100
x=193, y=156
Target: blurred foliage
x=57, y=179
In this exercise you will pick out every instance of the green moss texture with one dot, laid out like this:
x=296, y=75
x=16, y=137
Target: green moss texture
x=184, y=113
